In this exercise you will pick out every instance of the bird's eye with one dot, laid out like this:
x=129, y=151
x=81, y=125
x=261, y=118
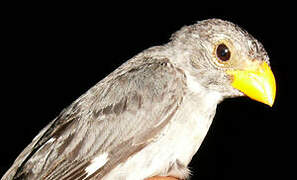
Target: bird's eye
x=223, y=52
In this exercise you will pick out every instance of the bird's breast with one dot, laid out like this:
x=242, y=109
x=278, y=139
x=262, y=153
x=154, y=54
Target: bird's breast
x=190, y=126
x=171, y=152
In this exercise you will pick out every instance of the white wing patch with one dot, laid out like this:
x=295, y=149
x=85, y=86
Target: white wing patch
x=97, y=163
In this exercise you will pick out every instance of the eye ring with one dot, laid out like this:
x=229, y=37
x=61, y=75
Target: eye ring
x=223, y=53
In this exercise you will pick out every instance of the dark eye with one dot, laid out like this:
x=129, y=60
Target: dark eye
x=223, y=53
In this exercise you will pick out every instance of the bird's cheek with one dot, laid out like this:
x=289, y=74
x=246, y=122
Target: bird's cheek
x=257, y=83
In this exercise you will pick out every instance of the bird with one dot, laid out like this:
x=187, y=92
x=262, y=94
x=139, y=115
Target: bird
x=148, y=118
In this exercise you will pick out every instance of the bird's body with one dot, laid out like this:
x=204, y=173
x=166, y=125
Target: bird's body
x=178, y=135
x=147, y=118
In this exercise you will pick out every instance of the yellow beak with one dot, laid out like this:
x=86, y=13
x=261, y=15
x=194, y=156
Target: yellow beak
x=258, y=83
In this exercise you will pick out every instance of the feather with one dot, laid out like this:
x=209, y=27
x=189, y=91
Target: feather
x=119, y=116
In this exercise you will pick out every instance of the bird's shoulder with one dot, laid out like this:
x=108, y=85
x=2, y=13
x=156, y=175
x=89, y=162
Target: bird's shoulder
x=149, y=76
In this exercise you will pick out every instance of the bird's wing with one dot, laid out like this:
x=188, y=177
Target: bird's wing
x=113, y=120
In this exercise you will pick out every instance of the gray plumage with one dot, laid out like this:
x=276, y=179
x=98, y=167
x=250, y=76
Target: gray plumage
x=161, y=99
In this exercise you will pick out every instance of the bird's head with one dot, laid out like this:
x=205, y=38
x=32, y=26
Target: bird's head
x=224, y=58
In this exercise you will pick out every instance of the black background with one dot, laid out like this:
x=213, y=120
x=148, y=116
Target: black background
x=52, y=53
